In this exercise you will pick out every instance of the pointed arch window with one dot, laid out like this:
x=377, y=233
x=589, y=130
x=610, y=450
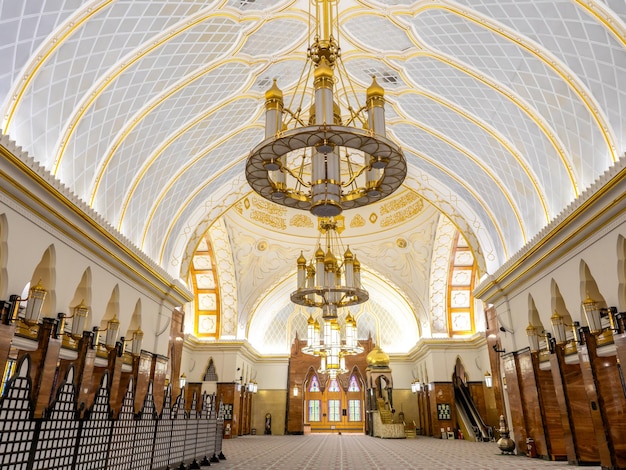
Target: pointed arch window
x=354, y=385
x=315, y=400
x=461, y=280
x=315, y=385
x=203, y=274
x=334, y=386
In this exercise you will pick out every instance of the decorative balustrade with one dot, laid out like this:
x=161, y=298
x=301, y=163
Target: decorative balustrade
x=141, y=441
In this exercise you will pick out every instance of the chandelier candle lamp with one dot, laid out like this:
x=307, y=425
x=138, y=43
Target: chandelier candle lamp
x=325, y=162
x=326, y=282
x=329, y=284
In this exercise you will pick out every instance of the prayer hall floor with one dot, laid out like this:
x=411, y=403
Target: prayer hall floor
x=355, y=451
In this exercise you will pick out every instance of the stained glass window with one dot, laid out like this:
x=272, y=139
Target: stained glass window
x=354, y=385
x=334, y=410
x=314, y=410
x=462, y=274
x=315, y=385
x=334, y=386
x=354, y=410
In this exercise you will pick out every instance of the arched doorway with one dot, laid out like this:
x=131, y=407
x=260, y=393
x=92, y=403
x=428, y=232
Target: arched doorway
x=335, y=405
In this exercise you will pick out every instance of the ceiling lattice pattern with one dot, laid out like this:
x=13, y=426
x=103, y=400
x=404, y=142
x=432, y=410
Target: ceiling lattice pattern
x=507, y=109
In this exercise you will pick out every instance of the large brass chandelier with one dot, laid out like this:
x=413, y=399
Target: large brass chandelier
x=325, y=162
x=330, y=282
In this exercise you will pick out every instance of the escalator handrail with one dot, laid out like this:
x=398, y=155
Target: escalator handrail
x=469, y=403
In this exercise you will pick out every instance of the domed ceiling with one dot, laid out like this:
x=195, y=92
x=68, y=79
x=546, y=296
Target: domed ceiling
x=506, y=110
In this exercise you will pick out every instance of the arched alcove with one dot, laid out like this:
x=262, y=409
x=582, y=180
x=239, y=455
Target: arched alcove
x=45, y=274
x=113, y=307
x=135, y=320
x=82, y=295
x=589, y=287
x=533, y=315
x=558, y=303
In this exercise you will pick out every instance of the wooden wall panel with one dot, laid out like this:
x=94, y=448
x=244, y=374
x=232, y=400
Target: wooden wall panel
x=299, y=366
x=531, y=402
x=44, y=365
x=611, y=399
x=6, y=337
x=228, y=394
x=477, y=392
x=142, y=368
x=605, y=393
x=158, y=373
x=551, y=416
x=516, y=406
x=619, y=389
x=580, y=415
x=557, y=366
x=442, y=394
x=496, y=393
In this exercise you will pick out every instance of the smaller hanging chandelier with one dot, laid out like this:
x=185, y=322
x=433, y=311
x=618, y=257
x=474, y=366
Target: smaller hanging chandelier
x=329, y=346
x=330, y=282
x=326, y=282
x=326, y=161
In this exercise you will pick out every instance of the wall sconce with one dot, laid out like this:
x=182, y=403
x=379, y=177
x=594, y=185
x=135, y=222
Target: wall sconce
x=113, y=326
x=416, y=386
x=78, y=320
x=36, y=296
x=137, y=340
x=295, y=391
x=533, y=338
x=558, y=327
x=252, y=387
x=182, y=381
x=592, y=314
x=488, y=380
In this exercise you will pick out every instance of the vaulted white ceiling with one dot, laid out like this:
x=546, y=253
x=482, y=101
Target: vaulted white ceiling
x=505, y=109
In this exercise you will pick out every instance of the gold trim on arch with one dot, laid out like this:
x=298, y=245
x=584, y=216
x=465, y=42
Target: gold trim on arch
x=163, y=146
x=479, y=199
x=75, y=119
x=478, y=254
x=188, y=126
x=120, y=245
x=613, y=26
x=525, y=109
x=554, y=65
x=499, y=89
x=553, y=233
x=165, y=189
x=56, y=42
x=487, y=23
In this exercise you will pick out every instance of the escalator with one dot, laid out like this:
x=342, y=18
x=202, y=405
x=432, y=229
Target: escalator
x=469, y=413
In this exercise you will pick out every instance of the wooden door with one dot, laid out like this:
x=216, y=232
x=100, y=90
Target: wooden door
x=335, y=405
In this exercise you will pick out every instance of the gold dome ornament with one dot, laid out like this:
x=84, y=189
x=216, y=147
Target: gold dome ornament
x=377, y=358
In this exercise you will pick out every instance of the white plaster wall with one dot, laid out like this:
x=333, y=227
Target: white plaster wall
x=269, y=373
x=599, y=253
x=27, y=239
